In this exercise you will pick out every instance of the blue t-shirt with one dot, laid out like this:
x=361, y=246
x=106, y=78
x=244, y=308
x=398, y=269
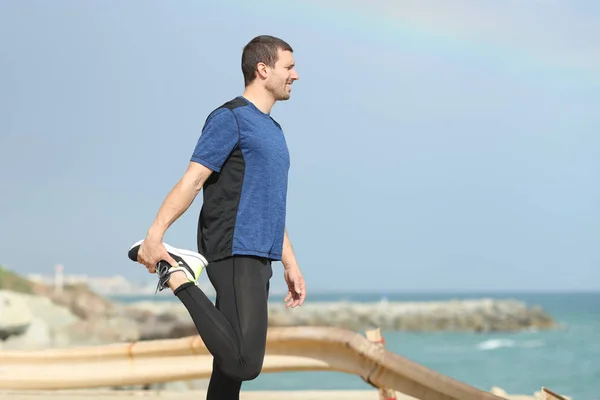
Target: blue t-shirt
x=244, y=206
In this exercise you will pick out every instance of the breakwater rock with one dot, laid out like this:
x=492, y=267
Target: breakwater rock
x=483, y=315
x=31, y=321
x=15, y=316
x=480, y=315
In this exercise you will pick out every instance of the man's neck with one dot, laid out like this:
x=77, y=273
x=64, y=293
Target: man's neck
x=258, y=96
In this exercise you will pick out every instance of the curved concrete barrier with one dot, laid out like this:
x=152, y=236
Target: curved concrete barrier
x=288, y=349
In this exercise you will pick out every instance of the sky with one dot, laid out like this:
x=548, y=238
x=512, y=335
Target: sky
x=434, y=146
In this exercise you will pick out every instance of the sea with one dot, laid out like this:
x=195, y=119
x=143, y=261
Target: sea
x=565, y=360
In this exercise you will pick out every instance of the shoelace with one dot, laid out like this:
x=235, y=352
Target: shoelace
x=162, y=268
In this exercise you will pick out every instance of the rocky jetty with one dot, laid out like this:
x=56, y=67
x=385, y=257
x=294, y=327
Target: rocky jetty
x=480, y=315
x=35, y=316
x=80, y=317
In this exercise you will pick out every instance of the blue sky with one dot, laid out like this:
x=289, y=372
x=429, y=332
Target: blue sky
x=433, y=147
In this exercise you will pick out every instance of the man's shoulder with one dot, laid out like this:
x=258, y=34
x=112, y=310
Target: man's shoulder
x=228, y=106
x=232, y=104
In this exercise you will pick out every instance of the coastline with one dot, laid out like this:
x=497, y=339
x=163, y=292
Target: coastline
x=480, y=315
x=81, y=317
x=78, y=316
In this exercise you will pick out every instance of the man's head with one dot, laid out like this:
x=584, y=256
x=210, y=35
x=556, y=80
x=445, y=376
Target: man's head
x=268, y=61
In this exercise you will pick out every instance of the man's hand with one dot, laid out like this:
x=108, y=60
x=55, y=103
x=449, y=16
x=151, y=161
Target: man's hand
x=151, y=252
x=296, y=287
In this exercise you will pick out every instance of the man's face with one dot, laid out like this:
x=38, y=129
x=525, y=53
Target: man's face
x=281, y=77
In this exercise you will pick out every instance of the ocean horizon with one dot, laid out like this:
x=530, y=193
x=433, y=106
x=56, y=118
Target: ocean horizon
x=564, y=360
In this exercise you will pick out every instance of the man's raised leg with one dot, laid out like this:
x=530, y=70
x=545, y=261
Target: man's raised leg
x=234, y=330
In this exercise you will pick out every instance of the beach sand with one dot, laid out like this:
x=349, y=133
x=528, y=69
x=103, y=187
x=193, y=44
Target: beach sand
x=196, y=395
x=199, y=395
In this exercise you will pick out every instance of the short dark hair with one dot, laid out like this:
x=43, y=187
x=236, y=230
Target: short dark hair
x=261, y=49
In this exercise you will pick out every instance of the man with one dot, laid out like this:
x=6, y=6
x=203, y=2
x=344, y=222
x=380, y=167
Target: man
x=241, y=161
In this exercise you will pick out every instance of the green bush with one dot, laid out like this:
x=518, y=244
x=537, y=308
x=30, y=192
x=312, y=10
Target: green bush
x=11, y=281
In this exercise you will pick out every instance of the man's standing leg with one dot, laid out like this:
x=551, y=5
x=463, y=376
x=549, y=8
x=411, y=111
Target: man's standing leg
x=220, y=385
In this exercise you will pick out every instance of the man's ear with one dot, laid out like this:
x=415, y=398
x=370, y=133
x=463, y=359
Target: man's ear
x=262, y=70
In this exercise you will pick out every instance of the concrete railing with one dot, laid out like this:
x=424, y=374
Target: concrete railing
x=288, y=349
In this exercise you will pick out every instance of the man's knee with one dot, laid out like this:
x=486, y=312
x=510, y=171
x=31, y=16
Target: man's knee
x=249, y=374
x=244, y=371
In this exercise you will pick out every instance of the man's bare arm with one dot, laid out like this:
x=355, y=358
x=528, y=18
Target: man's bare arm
x=179, y=199
x=288, y=258
x=292, y=275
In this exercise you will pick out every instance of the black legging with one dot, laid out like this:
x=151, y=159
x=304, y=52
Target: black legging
x=234, y=330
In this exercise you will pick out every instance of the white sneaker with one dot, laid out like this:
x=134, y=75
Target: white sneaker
x=190, y=262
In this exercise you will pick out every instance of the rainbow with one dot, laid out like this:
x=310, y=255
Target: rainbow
x=363, y=21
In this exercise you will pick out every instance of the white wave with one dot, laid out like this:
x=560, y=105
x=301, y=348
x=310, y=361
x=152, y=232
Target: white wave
x=494, y=344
